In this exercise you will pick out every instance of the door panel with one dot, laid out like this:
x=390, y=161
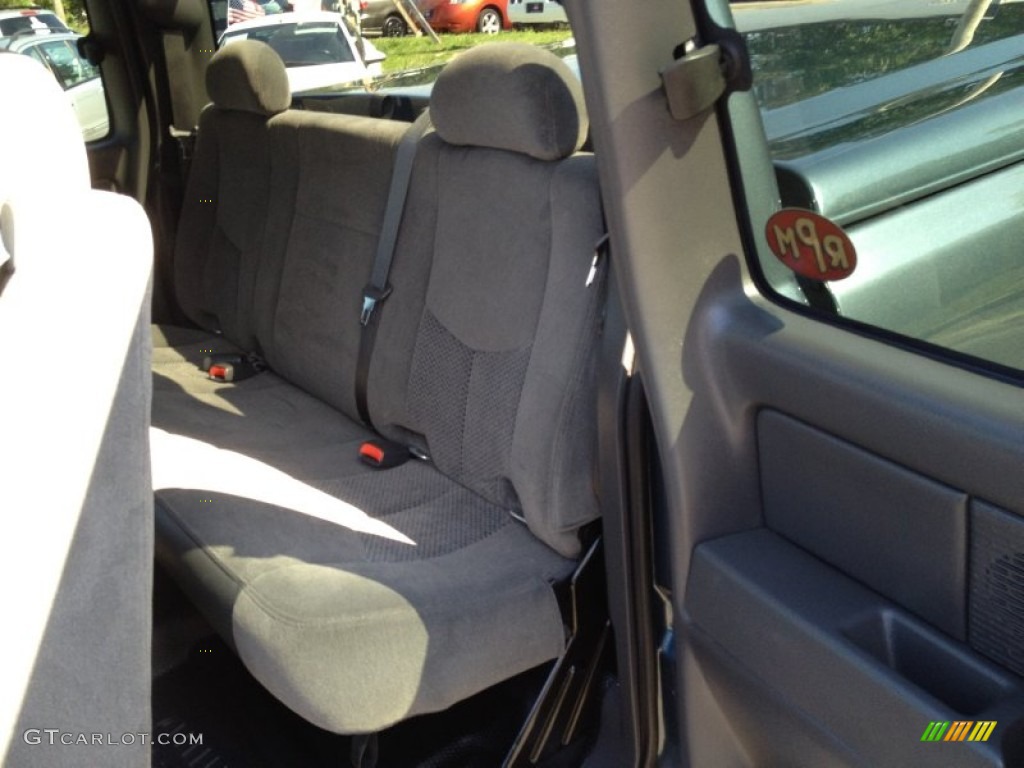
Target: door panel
x=851, y=670
x=893, y=530
x=882, y=590
x=995, y=617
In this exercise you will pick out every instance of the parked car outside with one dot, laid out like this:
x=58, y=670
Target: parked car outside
x=382, y=17
x=30, y=19
x=58, y=52
x=317, y=48
x=534, y=12
x=488, y=17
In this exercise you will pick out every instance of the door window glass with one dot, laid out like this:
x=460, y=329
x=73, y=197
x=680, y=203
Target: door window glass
x=901, y=122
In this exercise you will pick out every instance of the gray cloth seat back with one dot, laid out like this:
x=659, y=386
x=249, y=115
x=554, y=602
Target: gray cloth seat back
x=221, y=226
x=76, y=533
x=329, y=181
x=485, y=351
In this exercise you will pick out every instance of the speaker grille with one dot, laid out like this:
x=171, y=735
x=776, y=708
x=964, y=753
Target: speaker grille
x=995, y=613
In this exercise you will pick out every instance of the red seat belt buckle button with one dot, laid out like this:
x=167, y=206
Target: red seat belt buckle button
x=371, y=453
x=383, y=454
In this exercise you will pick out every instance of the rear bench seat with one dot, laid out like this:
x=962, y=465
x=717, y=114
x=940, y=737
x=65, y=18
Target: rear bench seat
x=361, y=597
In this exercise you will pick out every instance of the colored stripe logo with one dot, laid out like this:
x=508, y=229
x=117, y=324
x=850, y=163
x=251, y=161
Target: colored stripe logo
x=959, y=730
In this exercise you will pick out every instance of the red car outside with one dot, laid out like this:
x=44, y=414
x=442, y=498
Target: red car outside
x=486, y=16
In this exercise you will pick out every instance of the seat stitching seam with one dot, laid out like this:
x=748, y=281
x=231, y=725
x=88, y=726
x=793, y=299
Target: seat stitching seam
x=194, y=537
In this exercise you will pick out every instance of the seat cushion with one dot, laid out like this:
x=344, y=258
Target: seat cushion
x=359, y=597
x=362, y=599
x=264, y=416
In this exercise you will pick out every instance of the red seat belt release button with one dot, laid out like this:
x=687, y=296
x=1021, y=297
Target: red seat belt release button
x=231, y=366
x=383, y=454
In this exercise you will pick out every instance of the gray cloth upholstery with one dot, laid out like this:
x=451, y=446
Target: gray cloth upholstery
x=510, y=96
x=172, y=343
x=362, y=597
x=329, y=186
x=264, y=417
x=227, y=195
x=248, y=76
x=354, y=630
x=358, y=630
x=92, y=671
x=221, y=226
x=491, y=369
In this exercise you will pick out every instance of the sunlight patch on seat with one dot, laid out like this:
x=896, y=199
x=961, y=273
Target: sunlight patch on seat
x=183, y=462
x=216, y=400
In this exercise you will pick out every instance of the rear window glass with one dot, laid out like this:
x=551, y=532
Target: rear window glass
x=301, y=44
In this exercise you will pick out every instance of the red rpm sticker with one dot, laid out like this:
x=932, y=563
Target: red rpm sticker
x=810, y=245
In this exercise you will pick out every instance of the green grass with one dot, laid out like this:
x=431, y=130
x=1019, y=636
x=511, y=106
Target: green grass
x=405, y=53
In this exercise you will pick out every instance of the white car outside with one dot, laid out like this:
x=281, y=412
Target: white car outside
x=317, y=48
x=58, y=52
x=16, y=21
x=522, y=12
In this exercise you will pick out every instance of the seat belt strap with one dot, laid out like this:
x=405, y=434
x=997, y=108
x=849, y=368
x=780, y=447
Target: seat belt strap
x=378, y=289
x=6, y=269
x=614, y=369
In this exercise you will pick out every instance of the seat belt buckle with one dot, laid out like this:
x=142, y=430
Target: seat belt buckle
x=219, y=358
x=229, y=366
x=232, y=371
x=383, y=454
x=372, y=296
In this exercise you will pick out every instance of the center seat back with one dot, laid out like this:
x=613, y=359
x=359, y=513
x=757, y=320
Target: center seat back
x=485, y=353
x=329, y=181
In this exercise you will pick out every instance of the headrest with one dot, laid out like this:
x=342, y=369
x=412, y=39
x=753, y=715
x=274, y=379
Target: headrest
x=37, y=113
x=248, y=76
x=510, y=96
